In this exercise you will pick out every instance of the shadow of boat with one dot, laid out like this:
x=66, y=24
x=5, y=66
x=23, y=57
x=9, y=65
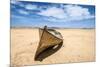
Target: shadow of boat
x=47, y=52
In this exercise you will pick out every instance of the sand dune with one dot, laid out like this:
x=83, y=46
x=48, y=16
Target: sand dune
x=78, y=46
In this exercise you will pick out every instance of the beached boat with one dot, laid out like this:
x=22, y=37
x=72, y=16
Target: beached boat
x=48, y=38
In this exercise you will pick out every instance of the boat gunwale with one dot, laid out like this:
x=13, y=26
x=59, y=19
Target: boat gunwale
x=51, y=34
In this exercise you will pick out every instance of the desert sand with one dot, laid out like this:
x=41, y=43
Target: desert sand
x=78, y=46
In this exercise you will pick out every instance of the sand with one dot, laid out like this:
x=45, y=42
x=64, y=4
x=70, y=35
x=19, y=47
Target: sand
x=78, y=46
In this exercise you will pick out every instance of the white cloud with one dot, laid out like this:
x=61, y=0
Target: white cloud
x=53, y=12
x=23, y=12
x=14, y=1
x=74, y=10
x=77, y=12
x=69, y=13
x=31, y=7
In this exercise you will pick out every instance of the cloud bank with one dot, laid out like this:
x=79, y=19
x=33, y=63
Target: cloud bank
x=67, y=13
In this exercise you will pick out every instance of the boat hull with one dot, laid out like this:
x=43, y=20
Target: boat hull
x=46, y=40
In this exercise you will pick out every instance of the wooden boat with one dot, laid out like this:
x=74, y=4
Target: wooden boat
x=48, y=38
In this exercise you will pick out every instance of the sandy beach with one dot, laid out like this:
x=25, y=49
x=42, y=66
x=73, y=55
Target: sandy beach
x=78, y=46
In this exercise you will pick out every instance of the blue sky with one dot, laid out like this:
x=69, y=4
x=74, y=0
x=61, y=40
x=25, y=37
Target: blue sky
x=38, y=14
